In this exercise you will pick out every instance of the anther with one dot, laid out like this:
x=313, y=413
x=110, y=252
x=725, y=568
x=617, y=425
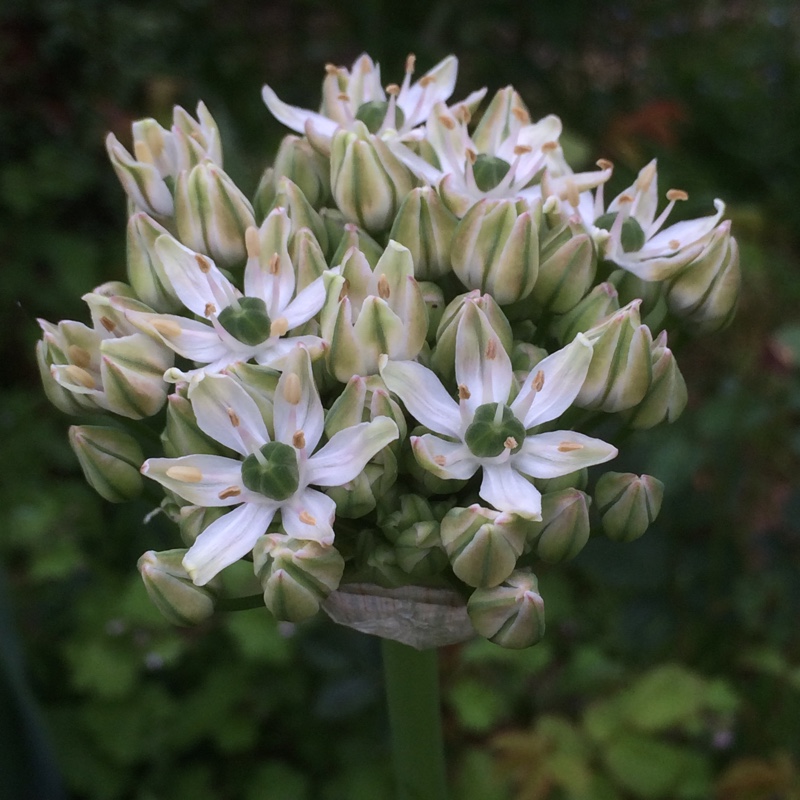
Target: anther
x=142, y=152
x=79, y=356
x=81, y=376
x=674, y=244
x=677, y=194
x=331, y=69
x=209, y=309
x=251, y=242
x=471, y=155
x=440, y=460
x=411, y=61
x=522, y=149
x=521, y=114
x=233, y=417
x=292, y=390
x=343, y=97
x=166, y=327
x=463, y=392
x=571, y=194
x=549, y=147
x=185, y=474
x=538, y=381
x=393, y=89
x=463, y=114
x=625, y=198
x=384, y=292
x=279, y=326
x=510, y=443
x=568, y=447
x=231, y=491
x=448, y=122
x=299, y=440
x=307, y=518
x=604, y=163
x=274, y=264
x=108, y=324
x=203, y=263
x=426, y=80
x=491, y=349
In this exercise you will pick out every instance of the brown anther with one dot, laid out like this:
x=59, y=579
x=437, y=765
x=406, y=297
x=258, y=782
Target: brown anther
x=426, y=80
x=393, y=89
x=209, y=309
x=331, y=69
x=292, y=390
x=411, y=61
x=440, y=460
x=549, y=147
x=571, y=193
x=231, y=491
x=79, y=356
x=510, y=443
x=166, y=327
x=233, y=417
x=538, y=381
x=279, y=326
x=203, y=263
x=343, y=97
x=677, y=194
x=521, y=114
x=604, y=163
x=306, y=518
x=471, y=155
x=79, y=376
x=569, y=447
x=299, y=440
x=108, y=324
x=624, y=198
x=674, y=244
x=522, y=149
x=448, y=122
x=463, y=392
x=251, y=242
x=274, y=264
x=384, y=292
x=491, y=349
x=463, y=114
x=185, y=474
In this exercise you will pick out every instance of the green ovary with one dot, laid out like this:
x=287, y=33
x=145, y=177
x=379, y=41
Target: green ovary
x=278, y=477
x=249, y=323
x=494, y=427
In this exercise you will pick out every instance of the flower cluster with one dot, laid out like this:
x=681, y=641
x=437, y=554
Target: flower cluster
x=378, y=379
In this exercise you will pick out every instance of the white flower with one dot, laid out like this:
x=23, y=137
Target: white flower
x=485, y=430
x=240, y=326
x=358, y=94
x=275, y=476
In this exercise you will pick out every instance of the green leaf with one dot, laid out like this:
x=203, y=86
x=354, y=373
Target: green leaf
x=477, y=705
x=665, y=697
x=644, y=766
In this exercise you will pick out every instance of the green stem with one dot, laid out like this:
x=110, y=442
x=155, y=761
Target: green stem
x=412, y=693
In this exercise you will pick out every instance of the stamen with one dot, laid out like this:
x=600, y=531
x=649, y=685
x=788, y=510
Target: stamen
x=677, y=194
x=393, y=89
x=343, y=98
x=384, y=292
x=674, y=244
x=299, y=440
x=292, y=390
x=440, y=460
x=364, y=62
x=571, y=194
x=462, y=114
x=231, y=491
x=646, y=177
x=142, y=152
x=549, y=147
x=251, y=242
x=307, y=518
x=279, y=326
x=79, y=356
x=568, y=447
x=426, y=80
x=604, y=163
x=522, y=149
x=538, y=381
x=463, y=392
x=331, y=69
x=80, y=376
x=185, y=474
x=274, y=264
x=491, y=349
x=108, y=324
x=203, y=263
x=411, y=61
x=448, y=122
x=233, y=417
x=472, y=156
x=166, y=327
x=510, y=443
x=209, y=309
x=521, y=114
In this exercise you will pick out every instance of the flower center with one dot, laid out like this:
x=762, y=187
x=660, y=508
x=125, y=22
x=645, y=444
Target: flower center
x=494, y=428
x=373, y=113
x=274, y=472
x=489, y=171
x=249, y=323
x=632, y=237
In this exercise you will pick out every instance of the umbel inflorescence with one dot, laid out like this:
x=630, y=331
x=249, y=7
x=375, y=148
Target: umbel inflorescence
x=378, y=378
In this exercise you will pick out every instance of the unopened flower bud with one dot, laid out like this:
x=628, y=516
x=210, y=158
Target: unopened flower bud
x=564, y=529
x=193, y=520
x=361, y=495
x=512, y=614
x=296, y=575
x=667, y=396
x=212, y=214
x=573, y=480
x=145, y=268
x=426, y=227
x=621, y=370
x=434, y=301
x=171, y=589
x=483, y=545
x=367, y=181
x=182, y=435
x=307, y=257
x=291, y=199
x=195, y=141
x=495, y=249
x=628, y=504
x=110, y=460
x=704, y=294
x=590, y=311
x=354, y=237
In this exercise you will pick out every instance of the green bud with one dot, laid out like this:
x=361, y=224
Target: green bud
x=182, y=435
x=171, y=589
x=275, y=474
x=525, y=356
x=590, y=311
x=110, y=460
x=195, y=140
x=361, y=495
x=632, y=238
x=145, y=269
x=212, y=214
x=628, y=503
x=355, y=237
x=433, y=296
x=493, y=426
x=425, y=226
x=296, y=575
x=511, y=615
x=260, y=382
x=374, y=113
x=621, y=369
x=367, y=181
x=573, y=480
x=495, y=249
x=704, y=294
x=564, y=528
x=414, y=530
x=193, y=520
x=667, y=396
x=301, y=213
x=483, y=545
x=410, y=510
x=307, y=257
x=247, y=321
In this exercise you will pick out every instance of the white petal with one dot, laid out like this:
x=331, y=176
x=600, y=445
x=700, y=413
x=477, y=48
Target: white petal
x=423, y=395
x=296, y=118
x=307, y=303
x=418, y=165
x=507, y=490
x=557, y=453
x=226, y=540
x=274, y=352
x=482, y=364
x=564, y=373
x=420, y=98
x=227, y=413
x=306, y=413
x=309, y=515
x=447, y=460
x=344, y=457
x=685, y=233
x=201, y=479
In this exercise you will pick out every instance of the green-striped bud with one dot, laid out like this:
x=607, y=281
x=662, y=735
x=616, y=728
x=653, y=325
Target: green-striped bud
x=621, y=370
x=628, y=504
x=704, y=293
x=512, y=614
x=212, y=214
x=564, y=528
x=273, y=471
x=361, y=495
x=414, y=530
x=433, y=296
x=301, y=213
x=573, y=480
x=483, y=545
x=182, y=435
x=495, y=249
x=171, y=589
x=296, y=575
x=367, y=181
x=354, y=237
x=667, y=396
x=593, y=309
x=146, y=271
x=307, y=257
x=193, y=520
x=110, y=460
x=426, y=227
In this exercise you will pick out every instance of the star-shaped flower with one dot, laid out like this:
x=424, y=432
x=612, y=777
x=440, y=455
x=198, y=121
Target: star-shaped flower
x=487, y=429
x=275, y=475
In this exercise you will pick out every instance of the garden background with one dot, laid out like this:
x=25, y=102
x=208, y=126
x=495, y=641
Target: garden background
x=670, y=667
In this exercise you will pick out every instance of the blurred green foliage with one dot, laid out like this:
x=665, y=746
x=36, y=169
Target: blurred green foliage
x=669, y=670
